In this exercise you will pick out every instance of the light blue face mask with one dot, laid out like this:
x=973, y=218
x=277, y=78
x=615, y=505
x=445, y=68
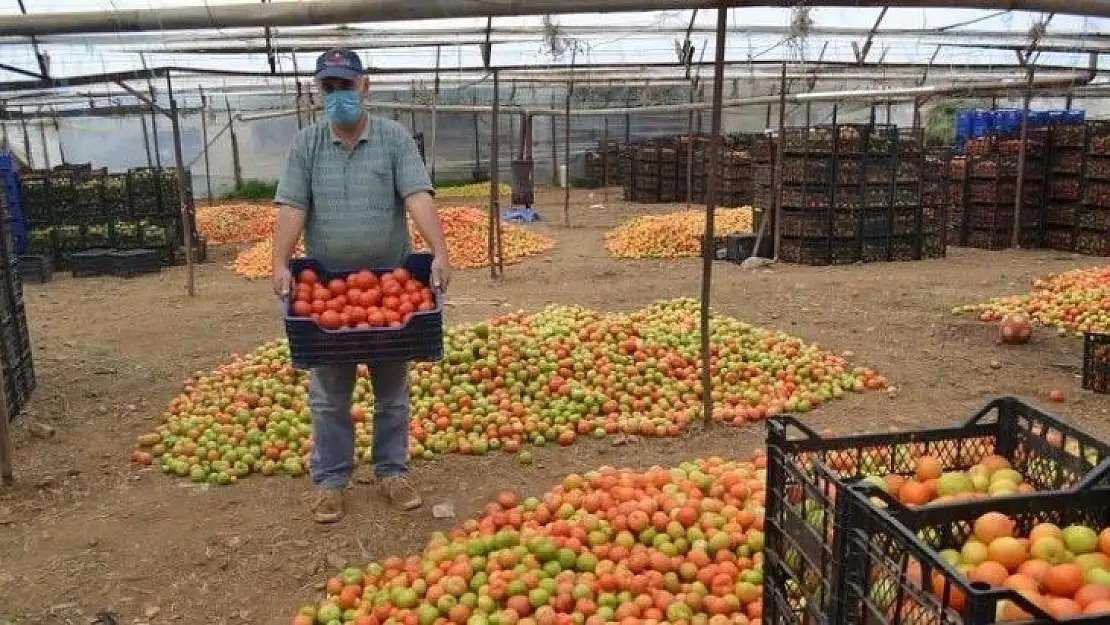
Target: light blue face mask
x=343, y=108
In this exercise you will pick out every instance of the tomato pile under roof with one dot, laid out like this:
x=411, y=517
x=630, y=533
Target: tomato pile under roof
x=515, y=380
x=679, y=545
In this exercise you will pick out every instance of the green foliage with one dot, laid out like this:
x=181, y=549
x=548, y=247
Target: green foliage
x=253, y=190
x=940, y=125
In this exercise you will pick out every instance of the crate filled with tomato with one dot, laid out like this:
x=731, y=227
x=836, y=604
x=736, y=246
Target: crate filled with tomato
x=363, y=315
x=1007, y=448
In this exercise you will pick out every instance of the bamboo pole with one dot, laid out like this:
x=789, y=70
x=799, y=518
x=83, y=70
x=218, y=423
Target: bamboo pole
x=1015, y=238
x=182, y=198
x=707, y=255
x=45, y=147
x=780, y=148
x=566, y=142
x=432, y=137
x=27, y=143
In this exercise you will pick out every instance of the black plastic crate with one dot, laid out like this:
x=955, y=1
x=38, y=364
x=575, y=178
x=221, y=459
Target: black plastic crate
x=19, y=383
x=740, y=247
x=1096, y=362
x=819, y=224
x=804, y=251
x=137, y=262
x=37, y=268
x=805, y=473
x=891, y=551
x=421, y=339
x=94, y=262
x=720, y=248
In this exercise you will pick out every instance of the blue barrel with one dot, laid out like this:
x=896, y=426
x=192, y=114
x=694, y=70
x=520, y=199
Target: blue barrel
x=1056, y=117
x=1007, y=121
x=1038, y=119
x=1075, y=116
x=982, y=124
x=963, y=124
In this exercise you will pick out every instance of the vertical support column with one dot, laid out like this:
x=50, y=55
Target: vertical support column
x=182, y=198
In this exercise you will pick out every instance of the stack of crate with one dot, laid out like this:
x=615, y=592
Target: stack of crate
x=1093, y=227
x=991, y=187
x=603, y=165
x=15, y=341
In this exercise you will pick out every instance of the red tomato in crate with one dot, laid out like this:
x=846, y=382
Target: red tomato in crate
x=330, y=320
x=365, y=279
x=337, y=287
x=301, y=308
x=307, y=276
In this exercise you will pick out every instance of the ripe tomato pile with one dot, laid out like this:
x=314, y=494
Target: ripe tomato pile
x=1065, y=572
x=679, y=545
x=363, y=300
x=237, y=222
x=513, y=381
x=466, y=230
x=1077, y=301
x=673, y=235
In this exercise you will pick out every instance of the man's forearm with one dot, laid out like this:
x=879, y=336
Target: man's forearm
x=423, y=210
x=287, y=231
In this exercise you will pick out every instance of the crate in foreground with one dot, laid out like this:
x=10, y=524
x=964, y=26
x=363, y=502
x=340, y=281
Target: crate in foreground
x=1096, y=362
x=805, y=474
x=421, y=339
x=892, y=550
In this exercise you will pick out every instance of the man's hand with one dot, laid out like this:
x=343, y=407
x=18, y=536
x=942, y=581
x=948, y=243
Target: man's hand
x=441, y=272
x=281, y=280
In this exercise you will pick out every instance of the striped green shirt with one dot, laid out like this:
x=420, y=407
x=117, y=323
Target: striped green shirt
x=354, y=197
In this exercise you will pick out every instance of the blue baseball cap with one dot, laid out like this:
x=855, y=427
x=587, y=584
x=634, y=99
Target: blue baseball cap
x=338, y=63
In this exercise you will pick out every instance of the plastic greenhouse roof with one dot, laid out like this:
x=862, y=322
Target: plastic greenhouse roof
x=942, y=37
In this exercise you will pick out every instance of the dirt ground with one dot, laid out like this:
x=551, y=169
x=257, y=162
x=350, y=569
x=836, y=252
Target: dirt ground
x=82, y=531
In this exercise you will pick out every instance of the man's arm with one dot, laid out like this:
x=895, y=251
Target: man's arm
x=414, y=185
x=293, y=197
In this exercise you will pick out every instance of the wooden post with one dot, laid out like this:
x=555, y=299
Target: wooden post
x=412, y=111
x=1015, y=238
x=7, y=472
x=432, y=133
x=45, y=147
x=146, y=142
x=204, y=137
x=494, y=164
x=154, y=131
x=477, y=141
x=605, y=159
x=554, y=151
x=690, y=145
x=780, y=147
x=58, y=134
x=182, y=198
x=708, y=252
x=235, y=165
x=566, y=141
x=26, y=140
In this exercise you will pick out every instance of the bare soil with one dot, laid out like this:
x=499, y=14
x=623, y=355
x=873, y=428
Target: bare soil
x=82, y=531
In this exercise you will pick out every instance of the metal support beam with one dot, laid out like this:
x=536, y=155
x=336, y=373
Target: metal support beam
x=42, y=59
x=142, y=97
x=328, y=12
x=182, y=197
x=925, y=73
x=487, y=46
x=861, y=53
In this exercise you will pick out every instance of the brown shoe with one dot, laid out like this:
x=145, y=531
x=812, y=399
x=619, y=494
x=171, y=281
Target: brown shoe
x=399, y=492
x=328, y=507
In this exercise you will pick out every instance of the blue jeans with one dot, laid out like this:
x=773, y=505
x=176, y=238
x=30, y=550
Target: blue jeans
x=333, y=432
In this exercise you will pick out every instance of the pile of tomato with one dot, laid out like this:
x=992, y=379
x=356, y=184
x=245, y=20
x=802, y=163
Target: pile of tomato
x=361, y=300
x=680, y=545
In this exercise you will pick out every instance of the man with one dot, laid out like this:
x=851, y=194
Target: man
x=348, y=182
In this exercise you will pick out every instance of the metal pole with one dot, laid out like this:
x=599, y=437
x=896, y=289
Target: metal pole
x=1015, y=238
x=690, y=146
x=154, y=131
x=780, y=148
x=235, y=165
x=7, y=472
x=412, y=113
x=58, y=134
x=554, y=151
x=432, y=138
x=182, y=198
x=605, y=160
x=627, y=129
x=494, y=164
x=204, y=137
x=477, y=142
x=707, y=252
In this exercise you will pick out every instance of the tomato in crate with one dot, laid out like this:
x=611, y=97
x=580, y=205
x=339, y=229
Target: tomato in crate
x=363, y=315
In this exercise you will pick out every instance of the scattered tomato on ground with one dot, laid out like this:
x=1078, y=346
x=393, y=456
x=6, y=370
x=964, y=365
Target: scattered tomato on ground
x=675, y=545
x=515, y=380
x=466, y=230
x=476, y=191
x=1076, y=301
x=673, y=235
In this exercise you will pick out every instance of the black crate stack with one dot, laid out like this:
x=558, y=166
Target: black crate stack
x=1093, y=231
x=934, y=196
x=603, y=165
x=659, y=170
x=15, y=341
x=74, y=210
x=991, y=187
x=854, y=193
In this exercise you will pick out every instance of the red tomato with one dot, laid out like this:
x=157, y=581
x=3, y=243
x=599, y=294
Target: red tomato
x=375, y=317
x=319, y=306
x=391, y=302
x=302, y=308
x=330, y=320
x=391, y=287
x=337, y=286
x=370, y=297
x=365, y=279
x=401, y=274
x=308, y=276
x=336, y=304
x=357, y=314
